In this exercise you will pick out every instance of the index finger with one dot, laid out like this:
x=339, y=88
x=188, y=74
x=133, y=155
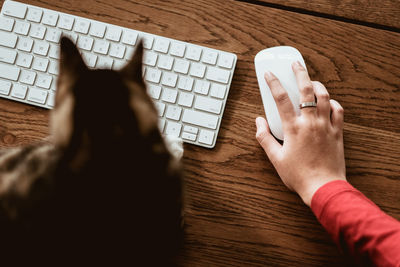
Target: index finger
x=281, y=97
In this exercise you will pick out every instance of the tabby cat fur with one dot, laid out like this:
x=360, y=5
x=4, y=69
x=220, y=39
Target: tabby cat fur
x=106, y=190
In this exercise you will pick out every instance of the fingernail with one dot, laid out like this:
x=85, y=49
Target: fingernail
x=268, y=74
x=297, y=64
x=259, y=122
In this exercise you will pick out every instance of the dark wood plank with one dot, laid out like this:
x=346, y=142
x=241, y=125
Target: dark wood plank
x=238, y=211
x=379, y=12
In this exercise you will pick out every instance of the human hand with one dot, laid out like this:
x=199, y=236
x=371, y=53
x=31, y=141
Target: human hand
x=312, y=153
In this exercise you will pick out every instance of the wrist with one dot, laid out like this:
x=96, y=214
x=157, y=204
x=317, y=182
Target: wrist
x=310, y=189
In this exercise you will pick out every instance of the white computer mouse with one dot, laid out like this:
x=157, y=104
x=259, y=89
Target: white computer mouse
x=278, y=60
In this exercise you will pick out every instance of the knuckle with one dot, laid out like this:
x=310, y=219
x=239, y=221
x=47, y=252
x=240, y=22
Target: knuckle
x=260, y=135
x=323, y=96
x=281, y=97
x=307, y=88
x=338, y=133
x=274, y=81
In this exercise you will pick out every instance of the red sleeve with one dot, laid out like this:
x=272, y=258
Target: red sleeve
x=357, y=225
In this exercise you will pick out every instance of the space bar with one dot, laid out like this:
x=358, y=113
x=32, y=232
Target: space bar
x=200, y=119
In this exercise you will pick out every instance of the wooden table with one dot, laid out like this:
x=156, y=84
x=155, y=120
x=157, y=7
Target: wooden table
x=239, y=213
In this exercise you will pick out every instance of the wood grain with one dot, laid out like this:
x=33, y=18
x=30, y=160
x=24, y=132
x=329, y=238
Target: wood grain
x=380, y=12
x=238, y=212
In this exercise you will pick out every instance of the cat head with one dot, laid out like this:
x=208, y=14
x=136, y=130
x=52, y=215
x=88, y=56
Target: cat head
x=97, y=101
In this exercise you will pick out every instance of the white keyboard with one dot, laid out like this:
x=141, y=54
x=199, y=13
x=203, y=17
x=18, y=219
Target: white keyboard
x=188, y=83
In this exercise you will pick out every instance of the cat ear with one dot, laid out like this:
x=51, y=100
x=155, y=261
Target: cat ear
x=71, y=62
x=133, y=70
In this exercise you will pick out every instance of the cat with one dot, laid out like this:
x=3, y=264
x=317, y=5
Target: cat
x=106, y=189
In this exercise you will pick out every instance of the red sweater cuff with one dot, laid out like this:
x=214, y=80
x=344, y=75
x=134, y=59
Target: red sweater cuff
x=329, y=191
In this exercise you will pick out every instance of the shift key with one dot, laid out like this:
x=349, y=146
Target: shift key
x=9, y=72
x=200, y=119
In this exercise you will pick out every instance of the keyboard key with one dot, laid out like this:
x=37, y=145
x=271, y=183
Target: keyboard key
x=200, y=119
x=24, y=60
x=66, y=22
x=27, y=77
x=202, y=87
x=89, y=59
x=82, y=26
x=50, y=99
x=208, y=104
x=44, y=81
x=34, y=15
x=185, y=83
x=218, y=75
x=206, y=137
x=177, y=49
x=50, y=18
x=21, y=28
x=41, y=48
x=161, y=45
x=85, y=43
x=225, y=61
x=9, y=72
x=117, y=50
x=104, y=63
x=189, y=136
x=5, y=87
x=101, y=47
x=53, y=35
x=6, y=24
x=129, y=52
x=150, y=58
x=97, y=30
x=185, y=99
x=153, y=75
x=8, y=39
x=173, y=128
x=54, y=51
x=14, y=9
x=37, y=95
x=71, y=35
x=169, y=95
x=7, y=55
x=165, y=62
x=181, y=66
x=148, y=42
x=169, y=79
x=25, y=44
x=40, y=64
x=129, y=37
x=218, y=90
x=161, y=125
x=190, y=129
x=154, y=91
x=210, y=57
x=53, y=67
x=173, y=113
x=193, y=53
x=118, y=64
x=19, y=91
x=37, y=31
x=160, y=108
x=113, y=34
x=197, y=70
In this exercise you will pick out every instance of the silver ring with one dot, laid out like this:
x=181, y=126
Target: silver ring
x=307, y=105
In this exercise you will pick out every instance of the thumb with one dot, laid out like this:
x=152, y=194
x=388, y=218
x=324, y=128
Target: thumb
x=266, y=140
